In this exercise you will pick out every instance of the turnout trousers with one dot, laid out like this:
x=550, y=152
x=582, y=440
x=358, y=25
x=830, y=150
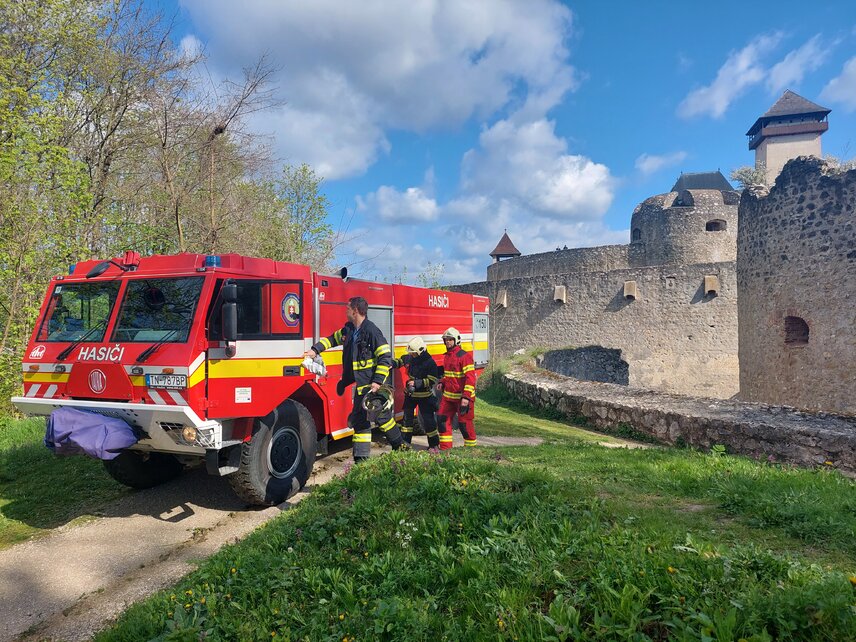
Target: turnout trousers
x=448, y=410
x=359, y=421
x=426, y=414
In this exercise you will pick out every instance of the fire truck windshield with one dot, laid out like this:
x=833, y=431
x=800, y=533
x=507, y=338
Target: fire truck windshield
x=155, y=310
x=78, y=310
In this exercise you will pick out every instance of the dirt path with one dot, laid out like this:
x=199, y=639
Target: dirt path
x=73, y=582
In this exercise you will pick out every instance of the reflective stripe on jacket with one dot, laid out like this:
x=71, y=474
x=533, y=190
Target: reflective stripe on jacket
x=369, y=363
x=423, y=370
x=459, y=374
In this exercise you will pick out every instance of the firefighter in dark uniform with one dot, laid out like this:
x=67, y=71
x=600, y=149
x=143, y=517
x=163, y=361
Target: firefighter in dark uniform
x=459, y=391
x=422, y=376
x=366, y=362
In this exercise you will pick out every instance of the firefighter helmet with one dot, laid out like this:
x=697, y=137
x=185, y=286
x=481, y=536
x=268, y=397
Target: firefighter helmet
x=452, y=333
x=375, y=403
x=416, y=346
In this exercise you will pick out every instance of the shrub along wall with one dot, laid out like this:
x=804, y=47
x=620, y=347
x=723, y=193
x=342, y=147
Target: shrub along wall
x=773, y=433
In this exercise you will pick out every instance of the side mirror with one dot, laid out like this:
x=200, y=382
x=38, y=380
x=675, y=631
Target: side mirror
x=98, y=270
x=230, y=292
x=230, y=321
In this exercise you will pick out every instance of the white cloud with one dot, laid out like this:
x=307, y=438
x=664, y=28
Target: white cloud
x=190, y=47
x=842, y=88
x=352, y=70
x=796, y=64
x=528, y=165
x=741, y=70
x=648, y=164
x=520, y=177
x=390, y=205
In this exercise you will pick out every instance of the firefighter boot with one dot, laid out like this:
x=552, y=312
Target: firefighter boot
x=393, y=435
x=445, y=432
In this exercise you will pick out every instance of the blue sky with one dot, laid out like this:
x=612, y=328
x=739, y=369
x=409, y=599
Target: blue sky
x=438, y=124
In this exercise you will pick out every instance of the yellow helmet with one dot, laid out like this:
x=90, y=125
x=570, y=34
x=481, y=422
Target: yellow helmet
x=416, y=346
x=452, y=333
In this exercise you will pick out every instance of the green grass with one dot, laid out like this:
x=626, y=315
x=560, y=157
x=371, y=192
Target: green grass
x=40, y=491
x=564, y=541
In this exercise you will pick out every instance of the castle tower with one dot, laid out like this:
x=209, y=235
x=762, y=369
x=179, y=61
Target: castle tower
x=791, y=127
x=504, y=249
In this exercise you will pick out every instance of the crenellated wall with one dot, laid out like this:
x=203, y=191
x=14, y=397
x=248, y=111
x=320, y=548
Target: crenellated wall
x=796, y=273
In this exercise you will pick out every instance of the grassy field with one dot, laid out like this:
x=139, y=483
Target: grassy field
x=39, y=491
x=564, y=541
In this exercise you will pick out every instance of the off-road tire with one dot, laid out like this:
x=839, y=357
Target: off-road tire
x=143, y=470
x=278, y=459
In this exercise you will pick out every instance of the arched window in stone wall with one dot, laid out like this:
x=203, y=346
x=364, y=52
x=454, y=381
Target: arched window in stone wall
x=796, y=331
x=636, y=234
x=716, y=225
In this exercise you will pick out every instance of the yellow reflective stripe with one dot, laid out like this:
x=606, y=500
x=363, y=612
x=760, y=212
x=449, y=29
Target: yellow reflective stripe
x=433, y=433
x=469, y=368
x=445, y=438
x=326, y=343
x=248, y=368
x=337, y=335
x=46, y=377
x=383, y=371
x=364, y=365
x=452, y=395
x=360, y=389
x=388, y=425
x=469, y=442
x=362, y=437
x=432, y=379
x=406, y=429
x=383, y=349
x=421, y=395
x=454, y=375
x=469, y=388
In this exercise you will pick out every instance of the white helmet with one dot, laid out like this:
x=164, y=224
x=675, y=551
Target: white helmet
x=375, y=403
x=416, y=346
x=452, y=333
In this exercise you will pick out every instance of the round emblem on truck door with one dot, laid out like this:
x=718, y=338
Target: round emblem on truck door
x=97, y=381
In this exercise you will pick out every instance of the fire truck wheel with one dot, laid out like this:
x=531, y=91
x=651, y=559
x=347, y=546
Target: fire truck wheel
x=143, y=470
x=278, y=459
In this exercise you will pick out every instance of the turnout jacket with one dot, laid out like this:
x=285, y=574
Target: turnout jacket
x=423, y=370
x=459, y=375
x=369, y=363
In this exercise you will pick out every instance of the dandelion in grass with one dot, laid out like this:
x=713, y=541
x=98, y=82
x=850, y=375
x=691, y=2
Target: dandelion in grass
x=672, y=570
x=852, y=579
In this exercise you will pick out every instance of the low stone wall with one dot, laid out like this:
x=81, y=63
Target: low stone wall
x=772, y=433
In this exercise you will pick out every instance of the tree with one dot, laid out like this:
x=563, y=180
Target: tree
x=750, y=177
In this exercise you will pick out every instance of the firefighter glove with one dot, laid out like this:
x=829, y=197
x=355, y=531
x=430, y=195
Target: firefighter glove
x=410, y=386
x=340, y=387
x=464, y=409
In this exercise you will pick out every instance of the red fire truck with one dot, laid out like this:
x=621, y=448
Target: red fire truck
x=201, y=356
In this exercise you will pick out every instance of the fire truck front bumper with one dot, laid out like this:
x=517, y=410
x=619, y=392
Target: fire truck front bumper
x=173, y=429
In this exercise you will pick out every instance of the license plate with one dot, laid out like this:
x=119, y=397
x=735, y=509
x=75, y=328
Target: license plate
x=166, y=381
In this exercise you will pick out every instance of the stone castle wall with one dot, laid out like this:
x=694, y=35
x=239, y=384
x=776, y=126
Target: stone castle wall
x=796, y=268
x=672, y=336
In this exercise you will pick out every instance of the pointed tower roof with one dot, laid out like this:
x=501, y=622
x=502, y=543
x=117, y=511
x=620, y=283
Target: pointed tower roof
x=790, y=104
x=505, y=248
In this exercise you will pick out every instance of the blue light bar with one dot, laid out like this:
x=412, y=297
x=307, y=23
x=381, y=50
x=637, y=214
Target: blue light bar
x=212, y=261
x=71, y=268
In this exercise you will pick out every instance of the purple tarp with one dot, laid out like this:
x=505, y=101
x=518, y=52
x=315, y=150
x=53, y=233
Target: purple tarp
x=80, y=432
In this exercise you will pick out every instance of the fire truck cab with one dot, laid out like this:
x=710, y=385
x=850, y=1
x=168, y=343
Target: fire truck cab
x=202, y=358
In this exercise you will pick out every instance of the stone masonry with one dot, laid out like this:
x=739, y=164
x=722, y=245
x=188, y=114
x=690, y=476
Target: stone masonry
x=796, y=274
x=771, y=433
x=675, y=334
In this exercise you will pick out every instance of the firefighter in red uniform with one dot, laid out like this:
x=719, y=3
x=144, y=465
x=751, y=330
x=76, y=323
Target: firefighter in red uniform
x=459, y=391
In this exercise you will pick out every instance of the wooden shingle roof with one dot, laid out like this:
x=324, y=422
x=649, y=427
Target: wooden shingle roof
x=505, y=247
